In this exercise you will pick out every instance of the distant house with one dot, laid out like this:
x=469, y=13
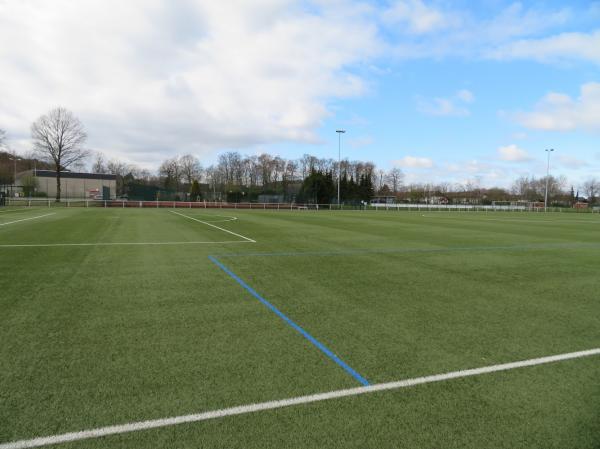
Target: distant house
x=72, y=184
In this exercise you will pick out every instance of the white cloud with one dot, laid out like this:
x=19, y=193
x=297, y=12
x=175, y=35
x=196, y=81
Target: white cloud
x=413, y=162
x=560, y=112
x=519, y=135
x=152, y=77
x=465, y=95
x=453, y=106
x=571, y=162
x=475, y=166
x=513, y=153
x=561, y=47
x=360, y=142
x=416, y=16
x=462, y=33
x=517, y=21
x=441, y=107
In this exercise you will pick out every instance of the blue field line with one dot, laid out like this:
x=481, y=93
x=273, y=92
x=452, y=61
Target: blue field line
x=366, y=251
x=281, y=315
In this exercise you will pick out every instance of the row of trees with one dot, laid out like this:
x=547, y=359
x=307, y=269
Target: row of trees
x=244, y=177
x=58, y=138
x=530, y=189
x=311, y=179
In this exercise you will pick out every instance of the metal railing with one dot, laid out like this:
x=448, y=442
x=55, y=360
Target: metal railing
x=118, y=203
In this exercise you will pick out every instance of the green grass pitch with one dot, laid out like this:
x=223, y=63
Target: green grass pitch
x=113, y=316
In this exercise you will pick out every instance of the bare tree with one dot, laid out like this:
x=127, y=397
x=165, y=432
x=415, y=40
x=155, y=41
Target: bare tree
x=291, y=170
x=59, y=136
x=307, y=164
x=99, y=165
x=591, y=188
x=265, y=161
x=395, y=177
x=380, y=180
x=214, y=177
x=119, y=169
x=2, y=137
x=524, y=188
x=190, y=168
x=171, y=173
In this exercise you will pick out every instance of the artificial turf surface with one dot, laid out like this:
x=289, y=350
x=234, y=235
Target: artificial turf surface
x=99, y=335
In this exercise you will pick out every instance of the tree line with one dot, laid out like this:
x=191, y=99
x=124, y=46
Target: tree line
x=58, y=143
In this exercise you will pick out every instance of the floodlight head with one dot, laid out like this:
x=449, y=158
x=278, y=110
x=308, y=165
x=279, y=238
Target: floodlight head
x=551, y=149
x=340, y=131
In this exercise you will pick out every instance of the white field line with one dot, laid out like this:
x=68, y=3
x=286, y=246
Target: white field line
x=229, y=218
x=25, y=219
x=44, y=245
x=518, y=220
x=214, y=226
x=253, y=408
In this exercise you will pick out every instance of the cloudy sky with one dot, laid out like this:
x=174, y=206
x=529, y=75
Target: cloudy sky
x=444, y=90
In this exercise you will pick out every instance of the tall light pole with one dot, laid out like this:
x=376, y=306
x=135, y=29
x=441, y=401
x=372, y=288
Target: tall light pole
x=548, y=151
x=13, y=158
x=35, y=180
x=340, y=132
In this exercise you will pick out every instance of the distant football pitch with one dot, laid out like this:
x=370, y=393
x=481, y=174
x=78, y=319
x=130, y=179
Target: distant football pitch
x=183, y=328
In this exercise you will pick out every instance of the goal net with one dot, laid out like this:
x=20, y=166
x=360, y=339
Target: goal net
x=307, y=207
x=510, y=205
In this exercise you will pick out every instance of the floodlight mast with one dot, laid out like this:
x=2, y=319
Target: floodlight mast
x=548, y=151
x=340, y=132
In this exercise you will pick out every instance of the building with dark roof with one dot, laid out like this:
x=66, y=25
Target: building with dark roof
x=72, y=184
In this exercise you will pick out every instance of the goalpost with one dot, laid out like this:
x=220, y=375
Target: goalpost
x=510, y=205
x=502, y=205
x=307, y=207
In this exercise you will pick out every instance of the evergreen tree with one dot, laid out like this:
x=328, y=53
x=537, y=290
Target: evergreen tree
x=572, y=195
x=318, y=187
x=195, y=194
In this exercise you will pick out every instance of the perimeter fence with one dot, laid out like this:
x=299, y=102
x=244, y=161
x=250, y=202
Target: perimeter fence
x=117, y=203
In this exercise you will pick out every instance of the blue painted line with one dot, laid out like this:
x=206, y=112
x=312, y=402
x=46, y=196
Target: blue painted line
x=281, y=315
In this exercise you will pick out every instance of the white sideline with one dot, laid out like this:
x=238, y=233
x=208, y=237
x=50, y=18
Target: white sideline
x=252, y=408
x=12, y=210
x=45, y=245
x=25, y=219
x=214, y=226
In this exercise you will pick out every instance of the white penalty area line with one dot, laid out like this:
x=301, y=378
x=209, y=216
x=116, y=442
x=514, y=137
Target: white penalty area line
x=25, y=219
x=47, y=245
x=270, y=405
x=13, y=210
x=214, y=226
